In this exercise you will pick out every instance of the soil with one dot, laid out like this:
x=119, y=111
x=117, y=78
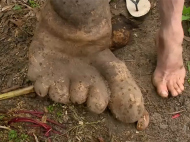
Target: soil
x=16, y=31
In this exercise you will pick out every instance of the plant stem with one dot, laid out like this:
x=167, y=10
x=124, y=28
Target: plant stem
x=4, y=127
x=16, y=93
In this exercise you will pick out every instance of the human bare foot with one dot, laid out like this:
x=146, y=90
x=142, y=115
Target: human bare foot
x=170, y=72
x=70, y=60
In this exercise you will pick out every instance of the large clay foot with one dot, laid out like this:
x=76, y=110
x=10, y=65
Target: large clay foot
x=68, y=79
x=72, y=63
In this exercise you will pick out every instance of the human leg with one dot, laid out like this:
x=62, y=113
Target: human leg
x=170, y=73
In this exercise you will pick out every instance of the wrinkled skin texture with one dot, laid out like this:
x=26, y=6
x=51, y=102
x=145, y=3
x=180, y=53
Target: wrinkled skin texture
x=70, y=60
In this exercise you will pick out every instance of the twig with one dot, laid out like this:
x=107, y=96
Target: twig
x=35, y=137
x=4, y=127
x=176, y=112
x=10, y=89
x=25, y=5
x=76, y=127
x=30, y=112
x=187, y=38
x=16, y=93
x=129, y=60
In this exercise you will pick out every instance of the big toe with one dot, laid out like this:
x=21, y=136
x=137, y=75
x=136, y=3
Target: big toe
x=161, y=86
x=173, y=84
x=161, y=89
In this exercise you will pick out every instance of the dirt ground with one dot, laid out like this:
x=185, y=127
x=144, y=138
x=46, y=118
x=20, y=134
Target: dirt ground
x=17, y=23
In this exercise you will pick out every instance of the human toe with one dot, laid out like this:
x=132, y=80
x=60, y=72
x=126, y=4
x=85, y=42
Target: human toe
x=180, y=83
x=172, y=89
x=161, y=88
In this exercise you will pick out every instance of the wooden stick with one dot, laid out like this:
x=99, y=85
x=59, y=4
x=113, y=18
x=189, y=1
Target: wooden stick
x=4, y=127
x=11, y=89
x=36, y=138
x=176, y=112
x=16, y=93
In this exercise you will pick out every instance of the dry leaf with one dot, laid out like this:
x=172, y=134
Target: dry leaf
x=153, y=4
x=16, y=32
x=176, y=116
x=45, y=110
x=44, y=119
x=6, y=8
x=187, y=38
x=81, y=123
x=101, y=139
x=30, y=14
x=18, y=23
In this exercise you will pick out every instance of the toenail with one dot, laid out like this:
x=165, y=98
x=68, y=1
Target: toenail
x=165, y=93
x=175, y=94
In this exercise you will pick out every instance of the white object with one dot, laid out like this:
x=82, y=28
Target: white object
x=143, y=7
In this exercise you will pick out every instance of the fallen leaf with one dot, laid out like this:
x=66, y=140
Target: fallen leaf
x=6, y=8
x=153, y=4
x=44, y=119
x=175, y=116
x=188, y=66
x=45, y=110
x=18, y=23
x=81, y=123
x=101, y=139
x=187, y=38
x=10, y=89
x=16, y=34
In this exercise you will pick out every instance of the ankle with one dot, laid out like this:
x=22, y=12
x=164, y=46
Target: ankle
x=171, y=35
